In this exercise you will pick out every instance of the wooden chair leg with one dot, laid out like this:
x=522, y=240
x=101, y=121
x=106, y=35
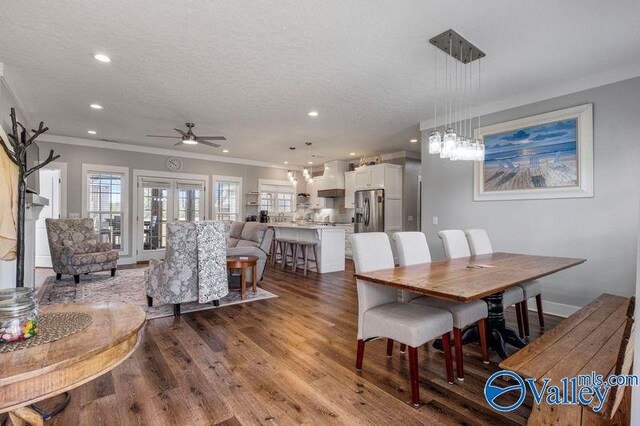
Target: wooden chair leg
x=519, y=318
x=176, y=310
x=305, y=253
x=525, y=318
x=76, y=278
x=403, y=348
x=315, y=259
x=58, y=276
x=389, y=347
x=482, y=331
x=360, y=354
x=539, y=308
x=113, y=272
x=149, y=301
x=448, y=362
x=415, y=377
x=457, y=341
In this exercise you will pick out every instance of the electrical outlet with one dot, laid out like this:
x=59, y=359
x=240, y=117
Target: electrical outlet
x=434, y=220
x=409, y=218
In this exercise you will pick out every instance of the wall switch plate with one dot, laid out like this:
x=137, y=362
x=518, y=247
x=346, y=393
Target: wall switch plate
x=410, y=218
x=434, y=220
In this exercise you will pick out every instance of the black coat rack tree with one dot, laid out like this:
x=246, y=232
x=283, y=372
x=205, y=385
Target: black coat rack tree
x=18, y=154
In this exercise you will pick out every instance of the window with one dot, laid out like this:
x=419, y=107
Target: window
x=105, y=201
x=277, y=196
x=227, y=198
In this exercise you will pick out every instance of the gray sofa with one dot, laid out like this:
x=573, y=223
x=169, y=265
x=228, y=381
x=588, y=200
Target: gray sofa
x=251, y=239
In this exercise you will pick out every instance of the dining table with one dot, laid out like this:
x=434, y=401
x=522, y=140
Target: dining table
x=467, y=279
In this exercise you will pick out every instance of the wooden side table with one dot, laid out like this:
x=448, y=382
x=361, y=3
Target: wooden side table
x=242, y=263
x=33, y=374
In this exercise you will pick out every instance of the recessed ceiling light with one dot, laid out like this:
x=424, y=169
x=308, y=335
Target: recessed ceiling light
x=352, y=153
x=312, y=113
x=310, y=162
x=286, y=162
x=102, y=57
x=226, y=151
x=413, y=140
x=96, y=106
x=91, y=132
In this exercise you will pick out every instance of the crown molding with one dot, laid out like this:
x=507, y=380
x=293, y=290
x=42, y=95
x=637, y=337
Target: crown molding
x=100, y=144
x=553, y=91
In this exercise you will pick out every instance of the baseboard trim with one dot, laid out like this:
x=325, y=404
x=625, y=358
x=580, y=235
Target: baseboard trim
x=555, y=308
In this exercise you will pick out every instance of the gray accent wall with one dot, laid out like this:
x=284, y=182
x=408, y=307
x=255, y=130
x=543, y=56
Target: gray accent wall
x=602, y=229
x=74, y=156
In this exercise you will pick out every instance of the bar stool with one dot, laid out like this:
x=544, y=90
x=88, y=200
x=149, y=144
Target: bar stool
x=277, y=255
x=302, y=247
x=289, y=259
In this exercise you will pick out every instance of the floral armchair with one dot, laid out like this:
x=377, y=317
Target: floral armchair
x=194, y=267
x=75, y=249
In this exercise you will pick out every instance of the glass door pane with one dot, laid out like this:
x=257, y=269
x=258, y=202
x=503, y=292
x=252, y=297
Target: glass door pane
x=190, y=203
x=154, y=214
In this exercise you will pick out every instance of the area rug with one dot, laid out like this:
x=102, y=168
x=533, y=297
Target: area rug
x=128, y=286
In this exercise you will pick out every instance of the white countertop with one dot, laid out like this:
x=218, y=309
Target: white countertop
x=307, y=226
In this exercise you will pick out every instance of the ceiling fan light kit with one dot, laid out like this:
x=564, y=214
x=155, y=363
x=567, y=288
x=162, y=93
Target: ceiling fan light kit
x=190, y=138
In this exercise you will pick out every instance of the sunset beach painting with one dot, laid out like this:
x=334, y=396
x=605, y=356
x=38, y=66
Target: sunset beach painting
x=536, y=157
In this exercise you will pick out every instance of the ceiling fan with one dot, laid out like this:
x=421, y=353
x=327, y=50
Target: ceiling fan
x=190, y=138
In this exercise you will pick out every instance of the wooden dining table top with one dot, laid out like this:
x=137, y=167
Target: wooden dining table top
x=469, y=278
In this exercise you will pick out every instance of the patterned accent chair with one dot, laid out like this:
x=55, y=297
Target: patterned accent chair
x=194, y=267
x=76, y=250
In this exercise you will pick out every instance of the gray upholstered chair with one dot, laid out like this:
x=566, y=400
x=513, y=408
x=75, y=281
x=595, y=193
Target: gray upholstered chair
x=251, y=239
x=479, y=243
x=413, y=249
x=195, y=265
x=381, y=315
x=75, y=249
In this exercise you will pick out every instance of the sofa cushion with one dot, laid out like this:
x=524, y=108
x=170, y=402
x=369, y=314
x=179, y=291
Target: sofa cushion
x=94, y=258
x=247, y=243
x=254, y=231
x=236, y=230
x=232, y=242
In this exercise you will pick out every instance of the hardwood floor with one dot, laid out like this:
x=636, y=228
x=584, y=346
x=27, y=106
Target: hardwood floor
x=288, y=360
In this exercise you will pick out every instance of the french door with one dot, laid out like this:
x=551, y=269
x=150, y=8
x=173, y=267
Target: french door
x=160, y=202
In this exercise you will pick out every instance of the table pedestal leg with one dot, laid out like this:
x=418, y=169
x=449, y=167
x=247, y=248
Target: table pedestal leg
x=498, y=334
x=243, y=283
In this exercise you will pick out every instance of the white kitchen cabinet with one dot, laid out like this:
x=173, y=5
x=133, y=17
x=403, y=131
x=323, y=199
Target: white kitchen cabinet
x=349, y=190
x=316, y=202
x=380, y=176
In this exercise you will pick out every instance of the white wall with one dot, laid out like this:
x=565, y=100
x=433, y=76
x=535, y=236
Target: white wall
x=602, y=229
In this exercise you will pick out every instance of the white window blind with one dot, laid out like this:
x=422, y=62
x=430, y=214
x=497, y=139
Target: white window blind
x=277, y=197
x=227, y=199
x=105, y=205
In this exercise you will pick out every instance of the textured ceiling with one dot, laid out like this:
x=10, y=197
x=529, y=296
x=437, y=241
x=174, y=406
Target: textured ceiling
x=251, y=70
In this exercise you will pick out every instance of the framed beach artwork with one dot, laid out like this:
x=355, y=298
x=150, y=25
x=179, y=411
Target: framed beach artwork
x=544, y=156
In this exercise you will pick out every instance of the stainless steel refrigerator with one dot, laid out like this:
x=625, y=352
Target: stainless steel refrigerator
x=369, y=211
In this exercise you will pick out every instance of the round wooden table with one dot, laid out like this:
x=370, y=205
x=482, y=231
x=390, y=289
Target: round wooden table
x=34, y=374
x=242, y=263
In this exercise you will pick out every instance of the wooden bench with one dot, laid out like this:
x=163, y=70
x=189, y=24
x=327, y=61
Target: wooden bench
x=598, y=338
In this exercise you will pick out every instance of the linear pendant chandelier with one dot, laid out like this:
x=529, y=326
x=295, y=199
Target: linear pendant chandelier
x=458, y=98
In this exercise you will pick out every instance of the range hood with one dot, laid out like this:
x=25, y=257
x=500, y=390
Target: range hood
x=333, y=179
x=331, y=193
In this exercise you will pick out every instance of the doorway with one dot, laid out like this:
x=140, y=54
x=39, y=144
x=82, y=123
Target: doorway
x=51, y=181
x=160, y=202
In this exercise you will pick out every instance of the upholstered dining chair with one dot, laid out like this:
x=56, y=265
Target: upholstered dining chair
x=479, y=243
x=413, y=249
x=454, y=243
x=381, y=315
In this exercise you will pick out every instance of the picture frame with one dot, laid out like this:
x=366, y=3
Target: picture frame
x=544, y=156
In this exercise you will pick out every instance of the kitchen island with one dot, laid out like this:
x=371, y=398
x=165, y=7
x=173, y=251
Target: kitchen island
x=330, y=240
